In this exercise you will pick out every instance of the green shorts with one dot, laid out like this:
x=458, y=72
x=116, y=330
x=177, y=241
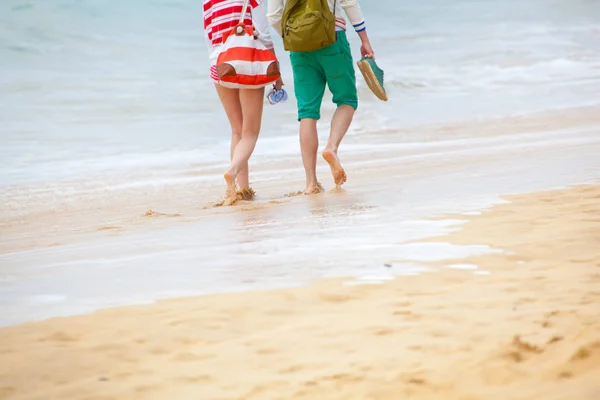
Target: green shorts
x=332, y=65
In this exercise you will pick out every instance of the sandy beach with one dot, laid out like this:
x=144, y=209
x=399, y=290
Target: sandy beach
x=525, y=326
x=459, y=261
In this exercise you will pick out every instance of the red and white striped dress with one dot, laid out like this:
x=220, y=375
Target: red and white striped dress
x=221, y=16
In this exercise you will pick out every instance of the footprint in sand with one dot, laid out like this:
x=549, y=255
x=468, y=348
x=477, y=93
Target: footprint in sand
x=291, y=369
x=407, y=315
x=58, y=337
x=146, y=388
x=334, y=297
x=315, y=190
x=264, y=352
x=383, y=331
x=196, y=379
x=586, y=352
x=156, y=214
x=187, y=340
x=521, y=349
x=565, y=375
x=342, y=377
x=189, y=357
x=6, y=391
x=526, y=346
x=159, y=351
x=278, y=201
x=108, y=228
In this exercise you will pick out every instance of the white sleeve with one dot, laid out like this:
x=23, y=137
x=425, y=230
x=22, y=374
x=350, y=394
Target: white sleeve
x=261, y=24
x=275, y=14
x=354, y=14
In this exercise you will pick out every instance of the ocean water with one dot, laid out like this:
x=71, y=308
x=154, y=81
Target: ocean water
x=92, y=87
x=107, y=110
x=360, y=235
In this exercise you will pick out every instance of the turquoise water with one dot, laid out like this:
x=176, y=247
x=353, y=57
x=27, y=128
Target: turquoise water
x=89, y=87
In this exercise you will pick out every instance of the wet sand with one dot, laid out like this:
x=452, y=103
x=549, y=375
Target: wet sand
x=59, y=213
x=528, y=329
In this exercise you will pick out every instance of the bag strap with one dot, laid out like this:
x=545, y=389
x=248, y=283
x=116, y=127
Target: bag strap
x=243, y=16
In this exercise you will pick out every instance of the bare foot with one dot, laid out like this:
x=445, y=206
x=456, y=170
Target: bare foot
x=339, y=175
x=313, y=189
x=231, y=193
x=246, y=194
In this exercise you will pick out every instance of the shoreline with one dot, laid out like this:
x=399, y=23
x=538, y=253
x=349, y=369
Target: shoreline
x=82, y=206
x=528, y=330
x=82, y=251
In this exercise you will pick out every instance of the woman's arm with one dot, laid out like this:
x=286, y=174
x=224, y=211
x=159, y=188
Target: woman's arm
x=261, y=24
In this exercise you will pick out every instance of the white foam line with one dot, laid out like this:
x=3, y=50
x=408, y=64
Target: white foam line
x=481, y=150
x=462, y=266
x=453, y=148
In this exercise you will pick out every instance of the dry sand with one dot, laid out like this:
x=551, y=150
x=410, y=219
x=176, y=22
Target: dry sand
x=530, y=330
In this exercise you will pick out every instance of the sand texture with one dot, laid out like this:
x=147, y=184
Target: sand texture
x=529, y=330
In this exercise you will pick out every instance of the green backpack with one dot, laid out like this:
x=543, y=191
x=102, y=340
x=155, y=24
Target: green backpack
x=307, y=25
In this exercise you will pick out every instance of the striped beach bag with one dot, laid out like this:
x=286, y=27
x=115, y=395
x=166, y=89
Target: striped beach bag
x=244, y=62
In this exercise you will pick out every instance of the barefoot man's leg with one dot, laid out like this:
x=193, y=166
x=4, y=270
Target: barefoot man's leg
x=309, y=144
x=331, y=66
x=341, y=80
x=339, y=126
x=309, y=87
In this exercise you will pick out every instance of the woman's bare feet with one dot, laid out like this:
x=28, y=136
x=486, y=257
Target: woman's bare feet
x=231, y=193
x=246, y=194
x=313, y=189
x=339, y=175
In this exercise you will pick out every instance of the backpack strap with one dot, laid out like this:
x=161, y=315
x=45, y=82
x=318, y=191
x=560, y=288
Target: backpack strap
x=334, y=17
x=243, y=15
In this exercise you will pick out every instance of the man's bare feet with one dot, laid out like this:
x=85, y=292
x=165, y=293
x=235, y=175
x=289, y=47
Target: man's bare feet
x=231, y=193
x=339, y=175
x=313, y=189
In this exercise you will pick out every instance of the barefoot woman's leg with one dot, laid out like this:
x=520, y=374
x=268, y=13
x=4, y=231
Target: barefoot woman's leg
x=230, y=98
x=251, y=101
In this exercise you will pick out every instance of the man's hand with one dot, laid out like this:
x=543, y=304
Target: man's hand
x=365, y=48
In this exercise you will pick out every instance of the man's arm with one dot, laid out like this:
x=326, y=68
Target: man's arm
x=365, y=48
x=355, y=15
x=274, y=14
x=259, y=19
